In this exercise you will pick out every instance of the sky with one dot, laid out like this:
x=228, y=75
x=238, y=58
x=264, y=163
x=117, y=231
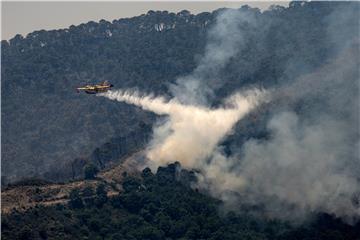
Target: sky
x=26, y=17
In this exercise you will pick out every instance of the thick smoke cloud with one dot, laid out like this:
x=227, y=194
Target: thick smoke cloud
x=310, y=163
x=310, y=160
x=225, y=40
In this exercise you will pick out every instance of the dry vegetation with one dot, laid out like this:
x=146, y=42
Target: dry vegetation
x=23, y=197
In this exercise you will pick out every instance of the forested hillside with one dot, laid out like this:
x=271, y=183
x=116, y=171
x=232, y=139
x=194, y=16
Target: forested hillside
x=285, y=167
x=160, y=206
x=46, y=125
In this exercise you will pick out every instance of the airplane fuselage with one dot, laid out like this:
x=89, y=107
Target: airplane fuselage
x=94, y=89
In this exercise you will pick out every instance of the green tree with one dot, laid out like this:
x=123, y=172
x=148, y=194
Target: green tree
x=131, y=184
x=25, y=233
x=88, y=191
x=90, y=171
x=101, y=195
x=75, y=199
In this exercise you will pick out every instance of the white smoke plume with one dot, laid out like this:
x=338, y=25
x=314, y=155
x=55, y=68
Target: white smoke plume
x=309, y=163
x=193, y=130
x=191, y=133
x=225, y=40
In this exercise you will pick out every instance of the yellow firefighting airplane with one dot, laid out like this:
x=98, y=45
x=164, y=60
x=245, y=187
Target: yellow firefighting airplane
x=97, y=88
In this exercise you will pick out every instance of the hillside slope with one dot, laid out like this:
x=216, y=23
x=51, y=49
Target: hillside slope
x=29, y=193
x=159, y=206
x=46, y=125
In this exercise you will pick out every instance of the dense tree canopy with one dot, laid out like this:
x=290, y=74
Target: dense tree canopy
x=46, y=125
x=51, y=132
x=151, y=208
